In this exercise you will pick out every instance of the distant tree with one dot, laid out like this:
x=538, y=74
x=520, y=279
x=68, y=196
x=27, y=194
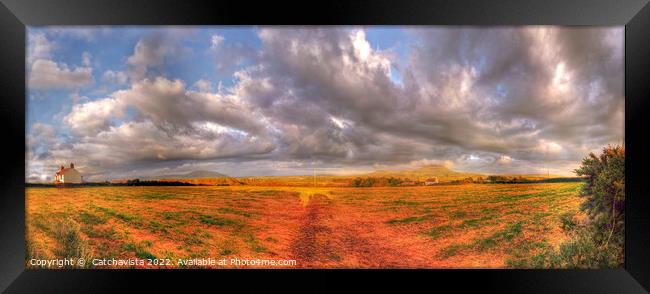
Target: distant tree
x=364, y=182
x=367, y=182
x=499, y=179
x=519, y=179
x=394, y=181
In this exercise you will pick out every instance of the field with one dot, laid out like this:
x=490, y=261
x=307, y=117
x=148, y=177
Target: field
x=445, y=226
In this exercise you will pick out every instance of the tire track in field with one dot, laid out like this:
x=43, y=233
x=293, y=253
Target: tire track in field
x=313, y=246
x=329, y=237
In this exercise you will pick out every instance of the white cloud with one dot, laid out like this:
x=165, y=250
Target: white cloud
x=203, y=85
x=144, y=55
x=47, y=74
x=424, y=162
x=91, y=117
x=170, y=123
x=216, y=41
x=85, y=58
x=39, y=47
x=151, y=52
x=549, y=148
x=504, y=159
x=229, y=55
x=115, y=77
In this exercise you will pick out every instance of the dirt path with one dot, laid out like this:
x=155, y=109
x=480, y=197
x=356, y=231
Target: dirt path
x=330, y=237
x=313, y=247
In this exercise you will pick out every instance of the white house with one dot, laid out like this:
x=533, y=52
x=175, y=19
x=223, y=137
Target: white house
x=431, y=181
x=67, y=175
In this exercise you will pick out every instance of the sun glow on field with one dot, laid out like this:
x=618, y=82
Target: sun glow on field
x=447, y=226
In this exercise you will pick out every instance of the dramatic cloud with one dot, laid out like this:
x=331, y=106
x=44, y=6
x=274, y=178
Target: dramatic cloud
x=165, y=121
x=151, y=53
x=492, y=100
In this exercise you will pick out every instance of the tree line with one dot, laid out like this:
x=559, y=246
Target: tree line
x=493, y=179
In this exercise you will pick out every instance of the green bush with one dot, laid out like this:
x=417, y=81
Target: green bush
x=598, y=242
x=567, y=222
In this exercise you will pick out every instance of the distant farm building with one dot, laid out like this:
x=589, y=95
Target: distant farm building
x=431, y=181
x=67, y=175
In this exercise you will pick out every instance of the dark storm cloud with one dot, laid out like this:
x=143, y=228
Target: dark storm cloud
x=527, y=85
x=476, y=89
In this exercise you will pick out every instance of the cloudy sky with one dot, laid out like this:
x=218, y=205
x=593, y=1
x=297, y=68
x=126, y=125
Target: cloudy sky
x=123, y=102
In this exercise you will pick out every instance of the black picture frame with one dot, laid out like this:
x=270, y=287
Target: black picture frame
x=15, y=15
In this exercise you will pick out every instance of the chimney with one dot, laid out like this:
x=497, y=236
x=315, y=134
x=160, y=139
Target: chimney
x=71, y=165
x=62, y=167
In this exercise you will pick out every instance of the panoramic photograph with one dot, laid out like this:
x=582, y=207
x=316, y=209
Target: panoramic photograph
x=324, y=147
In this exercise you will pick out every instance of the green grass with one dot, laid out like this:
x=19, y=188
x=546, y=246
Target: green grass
x=145, y=255
x=335, y=257
x=451, y=250
x=73, y=244
x=529, y=255
x=437, y=232
x=159, y=196
x=234, y=211
x=91, y=219
x=474, y=223
x=169, y=215
x=100, y=233
x=156, y=227
x=507, y=235
x=403, y=203
x=458, y=214
x=42, y=223
x=504, y=236
x=193, y=239
x=219, y=221
x=140, y=250
x=174, y=219
x=254, y=244
x=126, y=217
x=477, y=222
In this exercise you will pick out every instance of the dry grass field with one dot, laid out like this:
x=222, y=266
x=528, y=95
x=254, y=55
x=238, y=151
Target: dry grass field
x=446, y=226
